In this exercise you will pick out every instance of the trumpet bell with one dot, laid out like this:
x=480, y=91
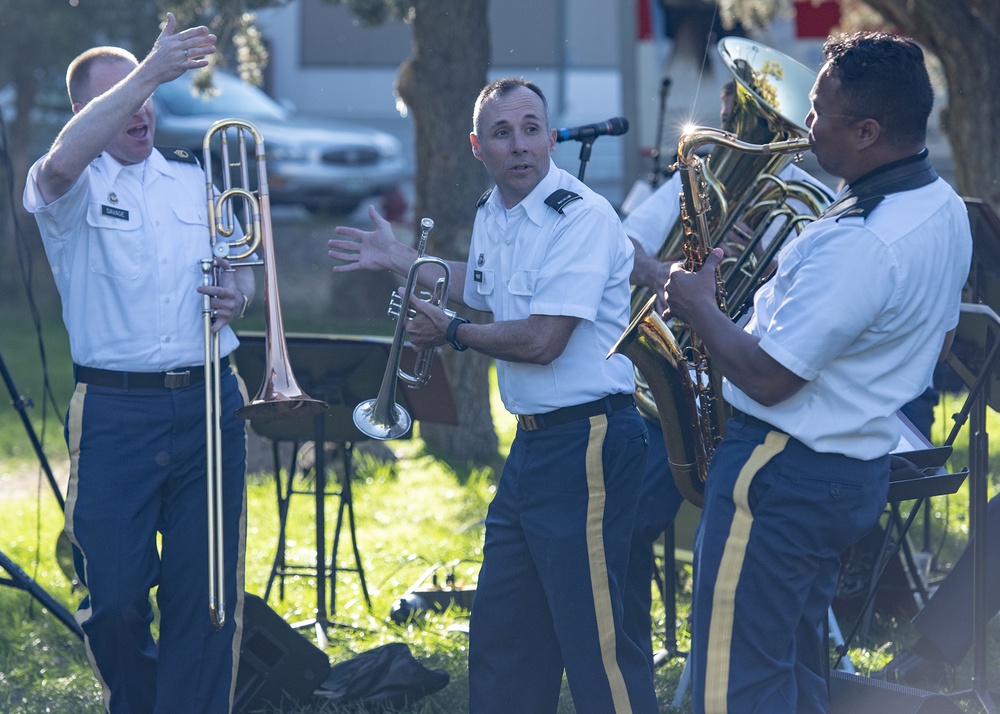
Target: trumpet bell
x=381, y=426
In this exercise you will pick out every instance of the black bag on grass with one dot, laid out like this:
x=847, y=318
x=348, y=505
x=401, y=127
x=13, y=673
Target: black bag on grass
x=388, y=675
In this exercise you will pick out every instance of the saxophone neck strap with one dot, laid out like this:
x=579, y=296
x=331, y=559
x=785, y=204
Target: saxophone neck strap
x=865, y=194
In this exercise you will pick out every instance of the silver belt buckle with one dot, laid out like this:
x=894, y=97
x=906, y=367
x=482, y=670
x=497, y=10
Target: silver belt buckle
x=177, y=380
x=528, y=422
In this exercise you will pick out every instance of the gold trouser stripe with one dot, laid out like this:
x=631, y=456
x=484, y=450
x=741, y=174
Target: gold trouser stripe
x=75, y=424
x=599, y=586
x=720, y=631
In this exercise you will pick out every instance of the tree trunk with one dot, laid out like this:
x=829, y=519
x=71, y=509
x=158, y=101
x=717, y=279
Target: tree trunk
x=440, y=83
x=964, y=36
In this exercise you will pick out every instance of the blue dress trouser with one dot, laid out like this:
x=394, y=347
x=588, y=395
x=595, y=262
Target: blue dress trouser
x=549, y=593
x=776, y=517
x=659, y=502
x=137, y=469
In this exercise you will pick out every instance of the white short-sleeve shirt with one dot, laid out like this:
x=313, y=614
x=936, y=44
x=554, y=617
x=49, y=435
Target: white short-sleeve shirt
x=859, y=307
x=125, y=245
x=532, y=259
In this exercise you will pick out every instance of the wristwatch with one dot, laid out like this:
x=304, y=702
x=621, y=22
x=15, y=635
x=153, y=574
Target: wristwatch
x=452, y=330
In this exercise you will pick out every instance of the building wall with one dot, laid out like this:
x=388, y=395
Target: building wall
x=324, y=62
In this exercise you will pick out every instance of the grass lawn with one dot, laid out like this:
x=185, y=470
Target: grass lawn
x=415, y=516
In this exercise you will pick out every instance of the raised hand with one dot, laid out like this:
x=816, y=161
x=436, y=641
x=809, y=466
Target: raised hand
x=175, y=53
x=365, y=250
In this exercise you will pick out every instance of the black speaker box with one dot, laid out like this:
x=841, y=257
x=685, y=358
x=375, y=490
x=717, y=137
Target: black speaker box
x=853, y=694
x=277, y=664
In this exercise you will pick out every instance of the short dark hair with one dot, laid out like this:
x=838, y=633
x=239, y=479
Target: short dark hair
x=79, y=71
x=498, y=88
x=883, y=76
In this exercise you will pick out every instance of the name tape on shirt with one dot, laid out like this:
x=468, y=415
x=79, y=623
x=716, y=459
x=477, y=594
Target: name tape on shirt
x=119, y=213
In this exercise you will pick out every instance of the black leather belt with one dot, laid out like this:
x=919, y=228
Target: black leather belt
x=174, y=379
x=610, y=403
x=745, y=418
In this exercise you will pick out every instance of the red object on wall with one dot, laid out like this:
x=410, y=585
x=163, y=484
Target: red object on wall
x=816, y=20
x=644, y=20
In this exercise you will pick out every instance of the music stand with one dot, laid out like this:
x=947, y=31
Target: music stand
x=974, y=358
x=918, y=474
x=342, y=371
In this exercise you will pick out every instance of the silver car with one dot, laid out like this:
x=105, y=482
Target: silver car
x=322, y=164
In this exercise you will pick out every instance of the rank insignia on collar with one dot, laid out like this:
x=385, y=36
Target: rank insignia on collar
x=171, y=153
x=113, y=197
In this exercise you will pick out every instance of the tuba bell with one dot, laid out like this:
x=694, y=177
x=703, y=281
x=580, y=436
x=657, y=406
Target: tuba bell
x=736, y=188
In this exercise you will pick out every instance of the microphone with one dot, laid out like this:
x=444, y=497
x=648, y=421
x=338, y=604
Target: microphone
x=611, y=127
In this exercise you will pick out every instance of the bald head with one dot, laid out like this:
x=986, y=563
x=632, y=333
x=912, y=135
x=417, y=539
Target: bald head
x=81, y=70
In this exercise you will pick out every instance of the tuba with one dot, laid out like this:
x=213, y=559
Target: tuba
x=280, y=396
x=737, y=188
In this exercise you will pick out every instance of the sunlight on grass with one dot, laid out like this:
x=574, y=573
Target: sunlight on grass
x=416, y=519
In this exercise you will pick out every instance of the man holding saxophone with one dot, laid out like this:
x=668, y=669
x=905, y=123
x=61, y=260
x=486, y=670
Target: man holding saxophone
x=863, y=305
x=124, y=229
x=649, y=227
x=550, y=260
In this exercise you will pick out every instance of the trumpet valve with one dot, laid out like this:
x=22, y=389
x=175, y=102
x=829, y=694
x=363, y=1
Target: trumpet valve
x=395, y=303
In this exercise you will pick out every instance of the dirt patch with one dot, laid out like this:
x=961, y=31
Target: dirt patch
x=24, y=478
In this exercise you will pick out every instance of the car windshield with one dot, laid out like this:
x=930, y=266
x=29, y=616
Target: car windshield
x=228, y=95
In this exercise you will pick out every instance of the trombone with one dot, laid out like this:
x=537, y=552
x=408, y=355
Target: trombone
x=280, y=396
x=382, y=417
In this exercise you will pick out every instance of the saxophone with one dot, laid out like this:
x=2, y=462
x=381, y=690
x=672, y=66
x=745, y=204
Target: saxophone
x=676, y=382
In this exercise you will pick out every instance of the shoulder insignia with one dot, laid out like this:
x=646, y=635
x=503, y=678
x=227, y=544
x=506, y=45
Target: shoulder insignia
x=171, y=153
x=863, y=208
x=485, y=197
x=560, y=197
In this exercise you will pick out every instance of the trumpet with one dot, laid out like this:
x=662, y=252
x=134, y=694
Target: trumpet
x=382, y=417
x=280, y=396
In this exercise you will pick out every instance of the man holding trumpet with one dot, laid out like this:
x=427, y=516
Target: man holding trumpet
x=124, y=228
x=550, y=260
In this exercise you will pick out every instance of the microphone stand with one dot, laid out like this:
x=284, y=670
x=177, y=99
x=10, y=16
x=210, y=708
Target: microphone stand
x=654, y=179
x=585, y=146
x=20, y=403
x=18, y=578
